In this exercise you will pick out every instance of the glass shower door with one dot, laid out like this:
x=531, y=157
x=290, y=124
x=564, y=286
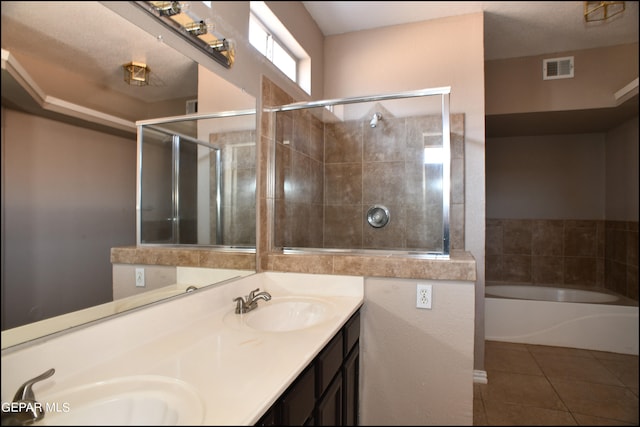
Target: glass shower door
x=169, y=184
x=197, y=190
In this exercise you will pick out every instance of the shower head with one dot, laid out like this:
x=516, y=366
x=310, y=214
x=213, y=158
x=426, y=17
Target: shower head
x=374, y=120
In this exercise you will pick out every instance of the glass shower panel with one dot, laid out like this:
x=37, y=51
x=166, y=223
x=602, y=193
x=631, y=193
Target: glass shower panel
x=193, y=191
x=369, y=173
x=156, y=210
x=169, y=183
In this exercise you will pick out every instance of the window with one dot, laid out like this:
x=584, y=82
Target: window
x=270, y=37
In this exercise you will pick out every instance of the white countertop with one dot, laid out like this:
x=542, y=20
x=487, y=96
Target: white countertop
x=238, y=372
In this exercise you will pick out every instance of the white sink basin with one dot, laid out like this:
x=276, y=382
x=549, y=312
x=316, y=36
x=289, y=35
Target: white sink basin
x=283, y=314
x=135, y=400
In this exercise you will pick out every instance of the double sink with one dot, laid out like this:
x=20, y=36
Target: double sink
x=161, y=398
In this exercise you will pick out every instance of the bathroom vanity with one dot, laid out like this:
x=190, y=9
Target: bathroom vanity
x=326, y=393
x=193, y=360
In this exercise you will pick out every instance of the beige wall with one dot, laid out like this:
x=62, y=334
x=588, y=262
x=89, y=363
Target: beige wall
x=251, y=65
x=516, y=85
x=621, y=159
x=155, y=277
x=621, y=209
x=546, y=177
x=442, y=52
x=417, y=367
x=574, y=176
x=68, y=197
x=304, y=29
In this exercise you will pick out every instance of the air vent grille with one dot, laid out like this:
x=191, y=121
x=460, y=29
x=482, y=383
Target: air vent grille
x=192, y=106
x=557, y=68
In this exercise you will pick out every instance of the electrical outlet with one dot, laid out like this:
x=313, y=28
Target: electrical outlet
x=423, y=296
x=140, y=277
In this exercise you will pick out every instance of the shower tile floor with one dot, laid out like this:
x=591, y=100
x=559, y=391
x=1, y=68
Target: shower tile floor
x=542, y=385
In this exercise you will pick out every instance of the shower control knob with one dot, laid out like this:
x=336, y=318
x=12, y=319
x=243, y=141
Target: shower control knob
x=378, y=216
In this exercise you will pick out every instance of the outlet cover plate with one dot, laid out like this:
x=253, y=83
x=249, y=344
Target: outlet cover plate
x=139, y=277
x=424, y=295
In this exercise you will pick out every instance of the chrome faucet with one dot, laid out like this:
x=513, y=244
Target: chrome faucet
x=24, y=409
x=250, y=302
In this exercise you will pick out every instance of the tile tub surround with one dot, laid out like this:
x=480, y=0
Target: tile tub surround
x=187, y=338
x=587, y=253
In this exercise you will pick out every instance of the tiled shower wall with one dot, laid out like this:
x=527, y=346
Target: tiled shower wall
x=239, y=187
x=299, y=179
x=589, y=253
x=328, y=175
x=366, y=166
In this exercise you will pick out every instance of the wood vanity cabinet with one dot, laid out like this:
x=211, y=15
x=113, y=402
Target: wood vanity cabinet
x=326, y=392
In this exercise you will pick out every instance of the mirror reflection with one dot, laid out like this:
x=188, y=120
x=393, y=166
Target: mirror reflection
x=194, y=191
x=69, y=157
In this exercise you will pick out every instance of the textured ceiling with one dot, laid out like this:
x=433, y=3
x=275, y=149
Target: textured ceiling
x=96, y=41
x=512, y=28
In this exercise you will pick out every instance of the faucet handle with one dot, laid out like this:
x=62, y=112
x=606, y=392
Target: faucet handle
x=25, y=391
x=240, y=305
x=252, y=294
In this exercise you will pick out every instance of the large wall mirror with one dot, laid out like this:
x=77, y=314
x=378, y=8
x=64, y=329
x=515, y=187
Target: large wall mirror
x=69, y=144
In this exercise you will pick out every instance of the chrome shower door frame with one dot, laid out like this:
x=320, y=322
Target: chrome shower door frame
x=444, y=92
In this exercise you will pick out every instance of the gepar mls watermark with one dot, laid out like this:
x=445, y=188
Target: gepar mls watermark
x=35, y=407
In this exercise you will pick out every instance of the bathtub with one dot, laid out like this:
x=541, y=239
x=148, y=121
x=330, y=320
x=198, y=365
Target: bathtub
x=560, y=316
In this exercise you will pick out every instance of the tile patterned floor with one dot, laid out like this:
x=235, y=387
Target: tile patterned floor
x=541, y=385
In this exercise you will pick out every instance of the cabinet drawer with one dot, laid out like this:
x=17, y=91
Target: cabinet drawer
x=351, y=332
x=328, y=363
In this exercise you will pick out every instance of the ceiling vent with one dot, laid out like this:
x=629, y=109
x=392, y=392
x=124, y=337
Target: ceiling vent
x=557, y=68
x=192, y=106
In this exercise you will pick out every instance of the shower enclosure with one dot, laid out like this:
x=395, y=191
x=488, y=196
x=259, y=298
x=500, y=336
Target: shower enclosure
x=197, y=190
x=364, y=174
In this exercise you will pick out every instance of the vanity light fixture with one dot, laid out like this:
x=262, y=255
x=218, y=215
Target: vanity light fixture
x=198, y=28
x=168, y=8
x=182, y=18
x=602, y=10
x=136, y=73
